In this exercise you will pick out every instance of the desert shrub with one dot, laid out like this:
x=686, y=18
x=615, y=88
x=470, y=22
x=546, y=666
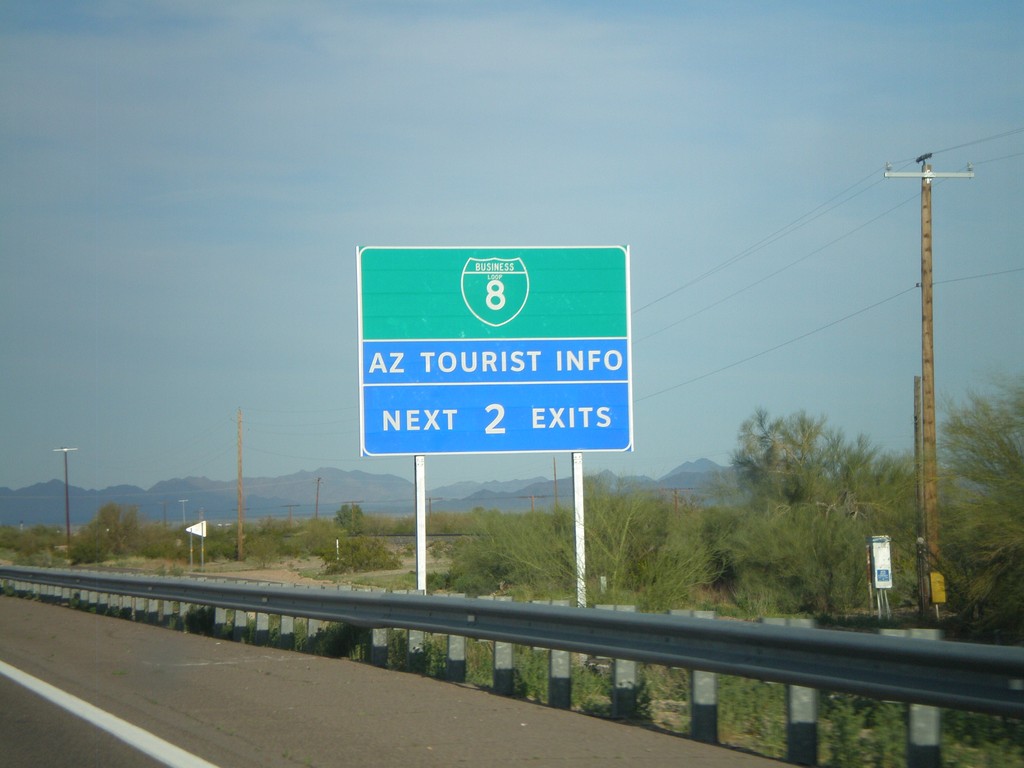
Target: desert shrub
x=533, y=551
x=26, y=544
x=983, y=512
x=359, y=553
x=115, y=531
x=638, y=551
x=262, y=548
x=157, y=542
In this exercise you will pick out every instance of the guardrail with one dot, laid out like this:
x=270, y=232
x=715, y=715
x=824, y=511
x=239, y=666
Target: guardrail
x=978, y=678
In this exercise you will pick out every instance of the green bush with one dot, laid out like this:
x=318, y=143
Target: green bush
x=638, y=552
x=359, y=553
x=88, y=550
x=983, y=512
x=37, y=545
x=114, y=532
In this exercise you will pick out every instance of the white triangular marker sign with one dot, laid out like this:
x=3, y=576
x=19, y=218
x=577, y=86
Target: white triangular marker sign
x=199, y=529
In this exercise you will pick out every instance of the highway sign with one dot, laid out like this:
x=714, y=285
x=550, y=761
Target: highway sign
x=494, y=350
x=199, y=529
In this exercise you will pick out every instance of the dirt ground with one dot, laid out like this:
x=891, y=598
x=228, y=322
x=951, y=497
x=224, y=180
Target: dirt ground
x=306, y=571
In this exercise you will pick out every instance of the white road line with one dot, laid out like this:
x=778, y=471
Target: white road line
x=142, y=740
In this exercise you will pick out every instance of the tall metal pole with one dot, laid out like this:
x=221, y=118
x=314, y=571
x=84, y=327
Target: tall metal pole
x=929, y=462
x=241, y=496
x=554, y=471
x=67, y=497
x=316, y=505
x=183, y=501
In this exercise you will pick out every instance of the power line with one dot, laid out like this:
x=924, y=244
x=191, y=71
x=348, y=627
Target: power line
x=814, y=214
x=783, y=269
x=978, y=277
x=999, y=159
x=1002, y=135
x=793, y=226
x=778, y=346
x=825, y=327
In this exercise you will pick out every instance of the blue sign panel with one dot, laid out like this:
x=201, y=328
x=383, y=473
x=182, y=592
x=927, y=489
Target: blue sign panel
x=494, y=361
x=450, y=373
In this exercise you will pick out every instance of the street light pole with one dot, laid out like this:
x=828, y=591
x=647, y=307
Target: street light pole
x=67, y=498
x=183, y=501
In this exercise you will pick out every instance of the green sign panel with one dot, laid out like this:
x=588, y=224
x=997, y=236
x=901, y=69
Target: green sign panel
x=451, y=293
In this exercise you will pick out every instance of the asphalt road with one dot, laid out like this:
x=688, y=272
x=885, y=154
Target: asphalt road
x=246, y=706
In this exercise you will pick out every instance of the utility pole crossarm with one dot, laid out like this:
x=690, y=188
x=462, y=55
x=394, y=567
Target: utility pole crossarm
x=928, y=173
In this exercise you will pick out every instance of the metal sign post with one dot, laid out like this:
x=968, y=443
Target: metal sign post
x=880, y=558
x=199, y=529
x=419, y=470
x=580, y=533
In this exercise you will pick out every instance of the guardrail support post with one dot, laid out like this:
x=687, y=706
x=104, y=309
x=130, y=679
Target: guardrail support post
x=560, y=679
x=924, y=723
x=924, y=731
x=220, y=619
x=262, y=636
x=286, y=637
x=801, y=712
x=166, y=613
x=379, y=647
x=623, y=677
x=703, y=694
x=455, y=664
x=240, y=626
x=312, y=630
x=503, y=680
x=503, y=677
x=415, y=657
x=560, y=674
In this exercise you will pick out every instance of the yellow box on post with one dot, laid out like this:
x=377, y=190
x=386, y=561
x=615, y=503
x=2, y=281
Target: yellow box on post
x=938, y=585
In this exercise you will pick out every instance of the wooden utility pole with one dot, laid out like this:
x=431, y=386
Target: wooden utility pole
x=67, y=498
x=241, y=495
x=316, y=507
x=923, y=591
x=929, y=463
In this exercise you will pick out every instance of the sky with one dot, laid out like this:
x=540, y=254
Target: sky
x=183, y=187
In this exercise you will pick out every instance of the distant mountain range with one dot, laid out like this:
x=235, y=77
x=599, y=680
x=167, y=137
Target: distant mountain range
x=302, y=495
